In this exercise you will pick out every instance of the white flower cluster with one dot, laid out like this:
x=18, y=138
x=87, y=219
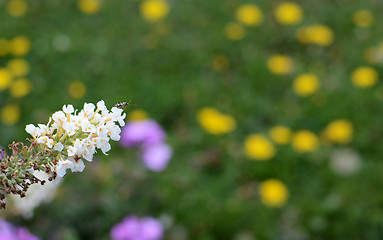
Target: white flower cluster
x=75, y=136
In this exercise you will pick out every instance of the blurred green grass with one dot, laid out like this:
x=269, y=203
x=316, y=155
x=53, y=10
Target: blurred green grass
x=165, y=67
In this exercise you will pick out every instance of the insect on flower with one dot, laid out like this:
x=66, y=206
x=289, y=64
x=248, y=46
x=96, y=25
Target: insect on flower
x=124, y=104
x=76, y=158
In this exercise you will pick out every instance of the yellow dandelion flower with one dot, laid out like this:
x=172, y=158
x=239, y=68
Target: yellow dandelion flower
x=18, y=67
x=315, y=34
x=214, y=122
x=137, y=115
x=20, y=88
x=17, y=8
x=363, y=18
x=306, y=84
x=20, y=46
x=280, y=64
x=305, y=141
x=364, y=77
x=89, y=6
x=323, y=35
x=273, y=193
x=154, y=10
x=288, y=13
x=249, y=14
x=234, y=31
x=5, y=78
x=220, y=63
x=77, y=89
x=4, y=46
x=258, y=147
x=10, y=114
x=339, y=131
x=280, y=134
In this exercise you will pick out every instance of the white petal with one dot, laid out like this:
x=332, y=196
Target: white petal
x=59, y=147
x=59, y=117
x=79, y=166
x=62, y=166
x=68, y=108
x=105, y=147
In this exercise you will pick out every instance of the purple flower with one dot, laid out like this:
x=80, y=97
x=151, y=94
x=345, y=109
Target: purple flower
x=150, y=137
x=156, y=157
x=6, y=230
x=143, y=132
x=134, y=228
x=127, y=229
x=11, y=232
x=24, y=234
x=151, y=228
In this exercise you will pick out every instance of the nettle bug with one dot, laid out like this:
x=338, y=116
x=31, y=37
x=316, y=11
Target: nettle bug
x=124, y=104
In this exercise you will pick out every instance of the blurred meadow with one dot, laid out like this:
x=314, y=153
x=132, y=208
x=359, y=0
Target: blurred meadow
x=272, y=109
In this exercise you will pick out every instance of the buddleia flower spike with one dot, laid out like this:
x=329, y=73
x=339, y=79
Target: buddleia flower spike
x=69, y=137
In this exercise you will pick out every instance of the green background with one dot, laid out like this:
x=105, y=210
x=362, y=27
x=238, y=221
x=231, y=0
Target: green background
x=199, y=190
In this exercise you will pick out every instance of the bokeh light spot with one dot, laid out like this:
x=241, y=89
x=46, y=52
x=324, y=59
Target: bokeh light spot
x=137, y=115
x=280, y=134
x=17, y=8
x=339, y=131
x=280, y=64
x=234, y=31
x=258, y=147
x=288, y=13
x=77, y=89
x=20, y=46
x=214, y=122
x=10, y=114
x=363, y=18
x=273, y=192
x=5, y=78
x=306, y=84
x=154, y=10
x=305, y=141
x=315, y=34
x=364, y=77
x=220, y=63
x=18, y=67
x=20, y=88
x=249, y=14
x=89, y=6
